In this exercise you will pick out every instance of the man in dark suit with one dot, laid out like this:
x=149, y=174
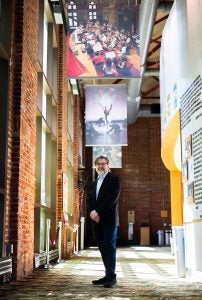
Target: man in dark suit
x=104, y=203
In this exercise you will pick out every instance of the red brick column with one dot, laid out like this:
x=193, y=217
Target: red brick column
x=22, y=135
x=62, y=119
x=76, y=161
x=62, y=127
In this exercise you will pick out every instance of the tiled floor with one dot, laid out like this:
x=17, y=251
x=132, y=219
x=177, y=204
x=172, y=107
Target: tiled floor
x=142, y=273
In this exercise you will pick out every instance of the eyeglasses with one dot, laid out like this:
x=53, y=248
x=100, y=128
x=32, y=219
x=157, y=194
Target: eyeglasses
x=101, y=164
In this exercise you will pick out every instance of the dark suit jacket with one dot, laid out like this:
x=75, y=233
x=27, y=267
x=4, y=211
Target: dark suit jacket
x=107, y=202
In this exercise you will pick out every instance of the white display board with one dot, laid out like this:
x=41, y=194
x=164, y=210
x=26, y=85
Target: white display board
x=181, y=89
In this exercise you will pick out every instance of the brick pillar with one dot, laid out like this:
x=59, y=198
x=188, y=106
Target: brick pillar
x=62, y=126
x=22, y=135
x=76, y=161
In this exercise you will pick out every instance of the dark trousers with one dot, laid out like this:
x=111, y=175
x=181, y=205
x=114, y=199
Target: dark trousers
x=106, y=240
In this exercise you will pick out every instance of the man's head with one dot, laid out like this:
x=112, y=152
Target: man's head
x=101, y=165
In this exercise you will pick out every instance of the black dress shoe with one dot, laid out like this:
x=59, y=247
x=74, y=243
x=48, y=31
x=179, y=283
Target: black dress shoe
x=100, y=281
x=110, y=283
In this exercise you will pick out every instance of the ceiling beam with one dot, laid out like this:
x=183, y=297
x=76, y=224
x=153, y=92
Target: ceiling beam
x=156, y=39
x=161, y=19
x=156, y=78
x=153, y=50
x=153, y=64
x=151, y=97
x=149, y=101
x=117, y=81
x=150, y=90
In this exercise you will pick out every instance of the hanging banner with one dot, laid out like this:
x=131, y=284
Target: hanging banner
x=106, y=115
x=113, y=153
x=103, y=41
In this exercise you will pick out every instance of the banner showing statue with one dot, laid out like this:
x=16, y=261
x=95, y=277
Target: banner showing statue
x=103, y=41
x=106, y=115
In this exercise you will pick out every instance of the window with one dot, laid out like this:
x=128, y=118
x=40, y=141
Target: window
x=92, y=11
x=46, y=136
x=46, y=159
x=72, y=14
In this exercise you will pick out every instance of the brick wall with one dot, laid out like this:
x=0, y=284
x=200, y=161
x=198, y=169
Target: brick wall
x=22, y=109
x=144, y=180
x=22, y=135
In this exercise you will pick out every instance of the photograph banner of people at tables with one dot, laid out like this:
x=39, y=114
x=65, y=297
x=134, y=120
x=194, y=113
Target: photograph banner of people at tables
x=106, y=115
x=114, y=153
x=103, y=41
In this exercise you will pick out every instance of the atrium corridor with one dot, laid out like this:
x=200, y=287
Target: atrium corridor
x=142, y=272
